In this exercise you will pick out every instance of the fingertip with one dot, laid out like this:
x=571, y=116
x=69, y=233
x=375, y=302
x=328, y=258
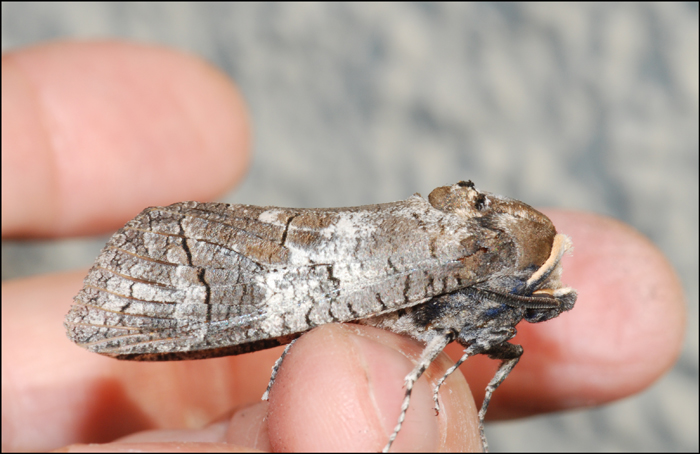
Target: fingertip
x=341, y=388
x=624, y=332
x=631, y=303
x=93, y=132
x=319, y=399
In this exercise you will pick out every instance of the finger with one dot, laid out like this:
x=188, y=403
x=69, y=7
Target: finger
x=68, y=395
x=340, y=381
x=248, y=427
x=94, y=132
x=163, y=446
x=245, y=430
x=624, y=332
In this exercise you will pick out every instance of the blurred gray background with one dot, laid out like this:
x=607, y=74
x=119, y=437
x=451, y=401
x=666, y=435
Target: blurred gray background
x=579, y=106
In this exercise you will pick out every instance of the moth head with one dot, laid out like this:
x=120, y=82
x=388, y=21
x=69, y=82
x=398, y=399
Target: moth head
x=530, y=233
x=525, y=240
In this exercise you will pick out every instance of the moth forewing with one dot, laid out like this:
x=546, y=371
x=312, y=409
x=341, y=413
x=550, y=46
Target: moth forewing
x=198, y=280
x=206, y=277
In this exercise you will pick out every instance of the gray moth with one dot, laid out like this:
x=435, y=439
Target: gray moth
x=200, y=280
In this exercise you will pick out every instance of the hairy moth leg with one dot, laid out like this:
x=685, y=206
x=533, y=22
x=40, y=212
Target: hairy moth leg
x=431, y=351
x=276, y=368
x=509, y=354
x=471, y=351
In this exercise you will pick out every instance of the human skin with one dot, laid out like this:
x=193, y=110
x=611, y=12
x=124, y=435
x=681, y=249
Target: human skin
x=95, y=132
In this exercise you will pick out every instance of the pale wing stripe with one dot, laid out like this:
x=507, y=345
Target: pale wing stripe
x=129, y=346
x=99, y=308
x=131, y=278
x=95, y=325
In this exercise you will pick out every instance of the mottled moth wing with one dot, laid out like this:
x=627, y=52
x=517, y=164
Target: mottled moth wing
x=196, y=280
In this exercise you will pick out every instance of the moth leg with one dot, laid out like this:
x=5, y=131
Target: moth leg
x=431, y=351
x=467, y=353
x=276, y=368
x=509, y=354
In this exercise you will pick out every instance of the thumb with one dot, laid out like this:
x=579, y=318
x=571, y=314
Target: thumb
x=341, y=387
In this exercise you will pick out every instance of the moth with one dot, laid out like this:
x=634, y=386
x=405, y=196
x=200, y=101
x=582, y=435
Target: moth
x=200, y=280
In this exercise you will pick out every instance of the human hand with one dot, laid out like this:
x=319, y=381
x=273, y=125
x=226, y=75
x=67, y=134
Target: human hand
x=93, y=133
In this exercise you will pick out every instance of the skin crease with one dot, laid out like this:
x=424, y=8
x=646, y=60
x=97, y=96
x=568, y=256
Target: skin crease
x=341, y=386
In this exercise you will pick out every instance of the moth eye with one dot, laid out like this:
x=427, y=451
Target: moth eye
x=481, y=202
x=466, y=184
